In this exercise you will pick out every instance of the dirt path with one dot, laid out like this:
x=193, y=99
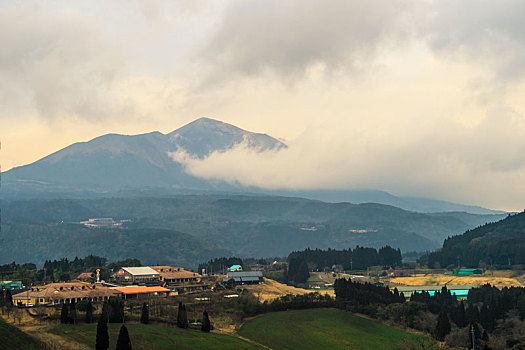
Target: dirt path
x=252, y=341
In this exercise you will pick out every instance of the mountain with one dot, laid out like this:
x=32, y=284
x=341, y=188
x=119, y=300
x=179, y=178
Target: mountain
x=421, y=205
x=121, y=164
x=186, y=228
x=112, y=162
x=500, y=243
x=204, y=136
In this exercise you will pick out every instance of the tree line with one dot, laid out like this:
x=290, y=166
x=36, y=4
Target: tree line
x=219, y=265
x=63, y=269
x=359, y=258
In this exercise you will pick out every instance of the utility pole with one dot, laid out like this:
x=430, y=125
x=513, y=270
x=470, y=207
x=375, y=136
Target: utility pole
x=473, y=335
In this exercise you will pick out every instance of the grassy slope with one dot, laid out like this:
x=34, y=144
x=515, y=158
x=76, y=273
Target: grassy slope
x=154, y=337
x=13, y=338
x=325, y=329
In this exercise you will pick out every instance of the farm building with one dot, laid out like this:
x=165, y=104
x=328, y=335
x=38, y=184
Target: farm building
x=11, y=285
x=141, y=291
x=137, y=274
x=235, y=268
x=460, y=292
x=463, y=272
x=176, y=275
x=244, y=277
x=59, y=293
x=180, y=280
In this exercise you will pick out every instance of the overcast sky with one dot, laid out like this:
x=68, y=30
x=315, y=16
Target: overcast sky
x=418, y=98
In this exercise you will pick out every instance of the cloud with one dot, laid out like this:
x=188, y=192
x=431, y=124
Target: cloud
x=288, y=37
x=486, y=32
x=449, y=161
x=58, y=62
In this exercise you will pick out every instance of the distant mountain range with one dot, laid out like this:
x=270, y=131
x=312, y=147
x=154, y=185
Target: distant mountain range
x=127, y=164
x=189, y=229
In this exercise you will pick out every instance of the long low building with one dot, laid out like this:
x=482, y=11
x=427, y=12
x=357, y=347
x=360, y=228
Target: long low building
x=142, y=291
x=60, y=293
x=244, y=277
x=176, y=275
x=460, y=291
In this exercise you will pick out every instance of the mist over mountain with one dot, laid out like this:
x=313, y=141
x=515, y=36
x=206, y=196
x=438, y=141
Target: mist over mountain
x=145, y=163
x=112, y=162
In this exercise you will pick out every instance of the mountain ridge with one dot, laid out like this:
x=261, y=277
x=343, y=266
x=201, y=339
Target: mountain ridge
x=115, y=162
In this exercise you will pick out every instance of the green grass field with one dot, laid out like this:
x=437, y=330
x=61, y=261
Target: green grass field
x=326, y=329
x=153, y=337
x=13, y=338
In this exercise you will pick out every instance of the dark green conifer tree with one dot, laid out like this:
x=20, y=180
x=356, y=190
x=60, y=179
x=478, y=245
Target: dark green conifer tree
x=73, y=312
x=123, y=341
x=443, y=325
x=182, y=318
x=102, y=340
x=144, y=316
x=8, y=298
x=206, y=325
x=64, y=314
x=89, y=312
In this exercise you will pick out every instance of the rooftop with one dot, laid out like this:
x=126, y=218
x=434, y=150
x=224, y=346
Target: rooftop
x=140, y=290
x=67, y=290
x=140, y=271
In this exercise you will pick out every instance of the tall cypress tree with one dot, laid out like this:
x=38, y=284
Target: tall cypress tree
x=443, y=325
x=184, y=316
x=73, y=312
x=144, y=316
x=64, y=314
x=8, y=298
x=102, y=341
x=181, y=316
x=206, y=325
x=89, y=312
x=123, y=341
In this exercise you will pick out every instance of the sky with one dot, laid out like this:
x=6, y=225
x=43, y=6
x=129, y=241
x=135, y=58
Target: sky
x=418, y=98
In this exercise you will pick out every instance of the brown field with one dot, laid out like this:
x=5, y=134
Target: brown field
x=438, y=280
x=271, y=289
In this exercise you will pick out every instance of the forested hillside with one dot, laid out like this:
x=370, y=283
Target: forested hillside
x=188, y=229
x=501, y=243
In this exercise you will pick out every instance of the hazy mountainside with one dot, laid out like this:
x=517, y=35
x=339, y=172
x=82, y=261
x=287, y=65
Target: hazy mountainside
x=422, y=205
x=256, y=226
x=37, y=241
x=499, y=243
x=204, y=136
x=113, y=162
x=124, y=165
